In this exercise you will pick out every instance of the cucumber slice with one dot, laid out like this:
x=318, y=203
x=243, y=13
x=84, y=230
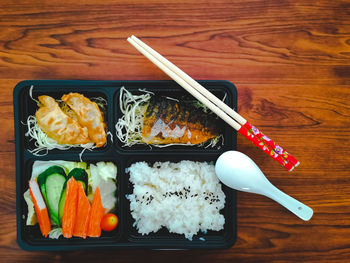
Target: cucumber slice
x=69, y=166
x=62, y=201
x=51, y=201
x=54, y=185
x=80, y=175
x=42, y=178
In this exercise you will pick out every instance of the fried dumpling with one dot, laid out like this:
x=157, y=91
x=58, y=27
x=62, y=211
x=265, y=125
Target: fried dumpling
x=88, y=115
x=59, y=126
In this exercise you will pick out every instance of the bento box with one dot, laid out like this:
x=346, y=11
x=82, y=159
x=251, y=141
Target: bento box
x=126, y=234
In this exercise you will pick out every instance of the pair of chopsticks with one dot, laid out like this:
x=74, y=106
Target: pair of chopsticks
x=216, y=105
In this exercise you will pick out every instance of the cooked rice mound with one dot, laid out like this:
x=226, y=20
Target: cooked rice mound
x=184, y=197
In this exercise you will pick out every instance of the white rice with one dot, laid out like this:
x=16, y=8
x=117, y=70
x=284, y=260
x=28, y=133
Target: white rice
x=184, y=197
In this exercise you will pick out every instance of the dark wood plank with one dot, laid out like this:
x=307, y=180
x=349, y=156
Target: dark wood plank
x=282, y=41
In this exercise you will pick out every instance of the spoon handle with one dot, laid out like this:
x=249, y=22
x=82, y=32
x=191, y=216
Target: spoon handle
x=293, y=205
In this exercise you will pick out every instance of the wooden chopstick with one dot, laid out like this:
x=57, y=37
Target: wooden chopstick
x=186, y=86
x=270, y=144
x=206, y=93
x=216, y=105
x=242, y=121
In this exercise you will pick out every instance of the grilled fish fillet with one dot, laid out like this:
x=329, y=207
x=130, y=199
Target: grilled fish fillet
x=57, y=125
x=167, y=121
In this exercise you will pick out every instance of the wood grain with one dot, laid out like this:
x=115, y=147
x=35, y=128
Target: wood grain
x=290, y=61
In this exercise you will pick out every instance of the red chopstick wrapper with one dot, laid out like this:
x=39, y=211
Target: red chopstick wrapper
x=261, y=144
x=278, y=149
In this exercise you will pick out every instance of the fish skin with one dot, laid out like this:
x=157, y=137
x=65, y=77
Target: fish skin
x=199, y=126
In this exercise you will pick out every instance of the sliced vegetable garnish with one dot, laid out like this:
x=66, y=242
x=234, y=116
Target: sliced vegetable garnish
x=31, y=219
x=96, y=213
x=40, y=208
x=70, y=207
x=54, y=185
x=104, y=175
x=43, y=176
x=81, y=176
x=62, y=202
x=83, y=212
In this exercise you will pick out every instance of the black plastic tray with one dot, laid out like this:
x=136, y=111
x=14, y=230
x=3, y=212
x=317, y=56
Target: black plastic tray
x=125, y=235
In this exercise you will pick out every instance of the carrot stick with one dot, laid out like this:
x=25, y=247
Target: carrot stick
x=83, y=210
x=96, y=213
x=70, y=208
x=40, y=208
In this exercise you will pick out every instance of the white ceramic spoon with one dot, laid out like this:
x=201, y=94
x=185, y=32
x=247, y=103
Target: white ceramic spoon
x=238, y=171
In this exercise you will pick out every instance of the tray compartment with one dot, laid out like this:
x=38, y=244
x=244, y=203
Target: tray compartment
x=29, y=107
x=163, y=238
x=31, y=236
x=223, y=90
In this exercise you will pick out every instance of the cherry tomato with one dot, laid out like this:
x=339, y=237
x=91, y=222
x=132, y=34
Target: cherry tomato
x=109, y=222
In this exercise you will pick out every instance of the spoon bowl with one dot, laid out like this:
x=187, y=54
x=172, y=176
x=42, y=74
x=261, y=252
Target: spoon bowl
x=238, y=171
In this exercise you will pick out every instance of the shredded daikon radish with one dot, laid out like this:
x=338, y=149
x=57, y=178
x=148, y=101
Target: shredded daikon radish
x=55, y=233
x=43, y=143
x=129, y=126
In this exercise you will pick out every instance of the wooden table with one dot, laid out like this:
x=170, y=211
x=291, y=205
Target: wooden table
x=290, y=61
